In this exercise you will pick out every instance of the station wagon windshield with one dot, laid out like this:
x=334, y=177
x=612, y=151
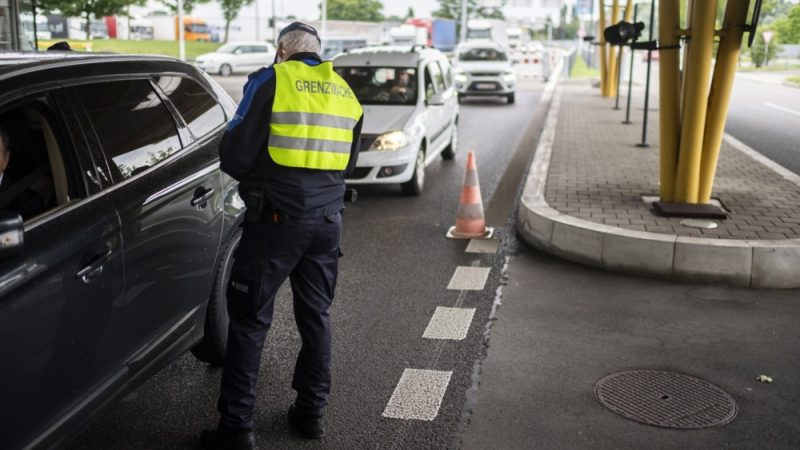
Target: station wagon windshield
x=382, y=85
x=482, y=54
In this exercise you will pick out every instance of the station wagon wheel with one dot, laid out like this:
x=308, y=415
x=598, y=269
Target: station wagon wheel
x=417, y=182
x=449, y=152
x=225, y=70
x=215, y=340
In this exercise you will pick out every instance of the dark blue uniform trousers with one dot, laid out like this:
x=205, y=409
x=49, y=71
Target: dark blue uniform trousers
x=307, y=252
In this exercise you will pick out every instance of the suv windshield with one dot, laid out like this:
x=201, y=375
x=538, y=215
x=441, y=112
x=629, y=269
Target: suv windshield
x=382, y=85
x=482, y=54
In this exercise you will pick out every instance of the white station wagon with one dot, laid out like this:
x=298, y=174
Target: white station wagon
x=237, y=57
x=410, y=112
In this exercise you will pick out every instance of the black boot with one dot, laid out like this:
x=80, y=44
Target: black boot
x=227, y=440
x=309, y=427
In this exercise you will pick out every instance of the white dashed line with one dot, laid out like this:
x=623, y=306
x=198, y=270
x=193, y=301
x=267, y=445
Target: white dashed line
x=469, y=278
x=781, y=108
x=418, y=395
x=449, y=323
x=483, y=246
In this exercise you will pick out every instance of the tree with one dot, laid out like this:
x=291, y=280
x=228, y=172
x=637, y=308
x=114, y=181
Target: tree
x=788, y=28
x=188, y=5
x=361, y=10
x=88, y=9
x=451, y=9
x=410, y=14
x=230, y=9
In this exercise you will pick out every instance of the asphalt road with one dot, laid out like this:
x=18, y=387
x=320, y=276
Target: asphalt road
x=394, y=275
x=765, y=115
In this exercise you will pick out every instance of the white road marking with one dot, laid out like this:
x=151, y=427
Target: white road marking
x=781, y=108
x=469, y=278
x=449, y=323
x=418, y=395
x=483, y=246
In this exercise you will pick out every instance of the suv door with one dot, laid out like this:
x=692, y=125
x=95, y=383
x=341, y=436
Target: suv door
x=438, y=123
x=61, y=296
x=166, y=189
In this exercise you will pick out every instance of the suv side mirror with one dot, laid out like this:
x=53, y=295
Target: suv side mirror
x=11, y=233
x=436, y=100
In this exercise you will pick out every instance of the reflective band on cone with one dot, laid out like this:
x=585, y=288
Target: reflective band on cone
x=470, y=223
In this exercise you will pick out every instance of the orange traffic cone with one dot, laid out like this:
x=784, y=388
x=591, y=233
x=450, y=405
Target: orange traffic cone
x=470, y=223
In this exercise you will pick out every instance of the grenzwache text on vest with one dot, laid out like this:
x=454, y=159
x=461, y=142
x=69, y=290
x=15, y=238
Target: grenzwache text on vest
x=323, y=87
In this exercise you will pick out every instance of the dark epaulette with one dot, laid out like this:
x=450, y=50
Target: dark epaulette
x=250, y=77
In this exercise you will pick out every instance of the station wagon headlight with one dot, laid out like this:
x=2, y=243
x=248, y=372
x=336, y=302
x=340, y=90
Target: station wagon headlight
x=392, y=140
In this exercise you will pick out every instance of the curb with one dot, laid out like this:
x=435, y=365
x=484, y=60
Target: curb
x=746, y=263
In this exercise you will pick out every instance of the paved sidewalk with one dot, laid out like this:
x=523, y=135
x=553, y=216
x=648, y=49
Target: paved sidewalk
x=588, y=193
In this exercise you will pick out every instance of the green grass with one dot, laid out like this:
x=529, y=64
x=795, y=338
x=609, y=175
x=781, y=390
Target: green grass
x=581, y=70
x=773, y=67
x=166, y=48
x=794, y=80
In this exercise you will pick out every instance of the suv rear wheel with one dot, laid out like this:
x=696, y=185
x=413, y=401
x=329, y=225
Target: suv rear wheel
x=417, y=182
x=212, y=348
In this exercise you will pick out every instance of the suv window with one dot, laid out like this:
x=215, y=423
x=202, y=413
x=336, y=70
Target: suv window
x=447, y=72
x=199, y=109
x=134, y=128
x=438, y=79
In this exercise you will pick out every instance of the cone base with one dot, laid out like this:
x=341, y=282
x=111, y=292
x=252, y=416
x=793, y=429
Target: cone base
x=488, y=233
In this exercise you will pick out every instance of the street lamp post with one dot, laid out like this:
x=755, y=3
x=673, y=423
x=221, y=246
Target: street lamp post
x=181, y=40
x=463, y=20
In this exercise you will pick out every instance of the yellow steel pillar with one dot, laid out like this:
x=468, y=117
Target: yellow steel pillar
x=669, y=96
x=721, y=86
x=698, y=73
x=611, y=79
x=601, y=24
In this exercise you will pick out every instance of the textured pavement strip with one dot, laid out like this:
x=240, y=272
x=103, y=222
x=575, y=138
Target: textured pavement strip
x=449, y=323
x=418, y=395
x=597, y=174
x=469, y=278
x=483, y=246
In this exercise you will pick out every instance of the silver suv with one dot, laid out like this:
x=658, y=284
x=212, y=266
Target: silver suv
x=484, y=68
x=410, y=112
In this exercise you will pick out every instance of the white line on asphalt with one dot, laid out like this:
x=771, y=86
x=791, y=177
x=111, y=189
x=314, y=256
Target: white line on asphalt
x=469, y=278
x=781, y=108
x=754, y=154
x=418, y=395
x=482, y=246
x=449, y=323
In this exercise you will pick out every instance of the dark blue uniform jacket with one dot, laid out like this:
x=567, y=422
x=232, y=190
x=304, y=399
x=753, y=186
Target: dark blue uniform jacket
x=244, y=155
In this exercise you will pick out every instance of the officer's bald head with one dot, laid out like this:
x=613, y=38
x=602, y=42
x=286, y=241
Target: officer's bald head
x=297, y=41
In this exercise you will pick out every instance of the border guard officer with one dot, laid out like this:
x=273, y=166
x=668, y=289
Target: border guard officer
x=293, y=139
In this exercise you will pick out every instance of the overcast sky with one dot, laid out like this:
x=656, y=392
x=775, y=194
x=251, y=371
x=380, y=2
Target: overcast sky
x=309, y=9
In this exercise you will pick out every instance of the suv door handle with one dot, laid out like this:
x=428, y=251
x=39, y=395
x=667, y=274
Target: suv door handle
x=201, y=196
x=95, y=266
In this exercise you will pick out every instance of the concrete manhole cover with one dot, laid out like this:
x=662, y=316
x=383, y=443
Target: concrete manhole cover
x=666, y=399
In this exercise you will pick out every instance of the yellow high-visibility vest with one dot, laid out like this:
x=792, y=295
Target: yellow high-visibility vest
x=313, y=116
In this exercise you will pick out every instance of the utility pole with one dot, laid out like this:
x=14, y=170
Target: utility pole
x=324, y=21
x=258, y=23
x=274, y=24
x=181, y=40
x=463, y=20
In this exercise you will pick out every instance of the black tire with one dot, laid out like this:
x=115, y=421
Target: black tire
x=450, y=151
x=460, y=99
x=510, y=98
x=225, y=70
x=215, y=339
x=415, y=185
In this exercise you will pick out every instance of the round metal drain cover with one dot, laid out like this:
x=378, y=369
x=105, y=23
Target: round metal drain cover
x=666, y=399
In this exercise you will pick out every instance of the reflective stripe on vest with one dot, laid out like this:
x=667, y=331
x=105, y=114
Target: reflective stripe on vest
x=313, y=116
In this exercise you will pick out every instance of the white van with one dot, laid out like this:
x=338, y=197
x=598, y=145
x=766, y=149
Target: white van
x=410, y=112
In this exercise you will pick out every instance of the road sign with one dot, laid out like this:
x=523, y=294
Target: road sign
x=767, y=35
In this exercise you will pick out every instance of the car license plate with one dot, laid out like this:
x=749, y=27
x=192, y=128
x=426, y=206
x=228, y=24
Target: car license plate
x=484, y=86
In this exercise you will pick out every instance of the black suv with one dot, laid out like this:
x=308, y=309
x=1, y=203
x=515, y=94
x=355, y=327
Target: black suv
x=117, y=230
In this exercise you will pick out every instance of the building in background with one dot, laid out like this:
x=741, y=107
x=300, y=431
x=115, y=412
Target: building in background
x=533, y=14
